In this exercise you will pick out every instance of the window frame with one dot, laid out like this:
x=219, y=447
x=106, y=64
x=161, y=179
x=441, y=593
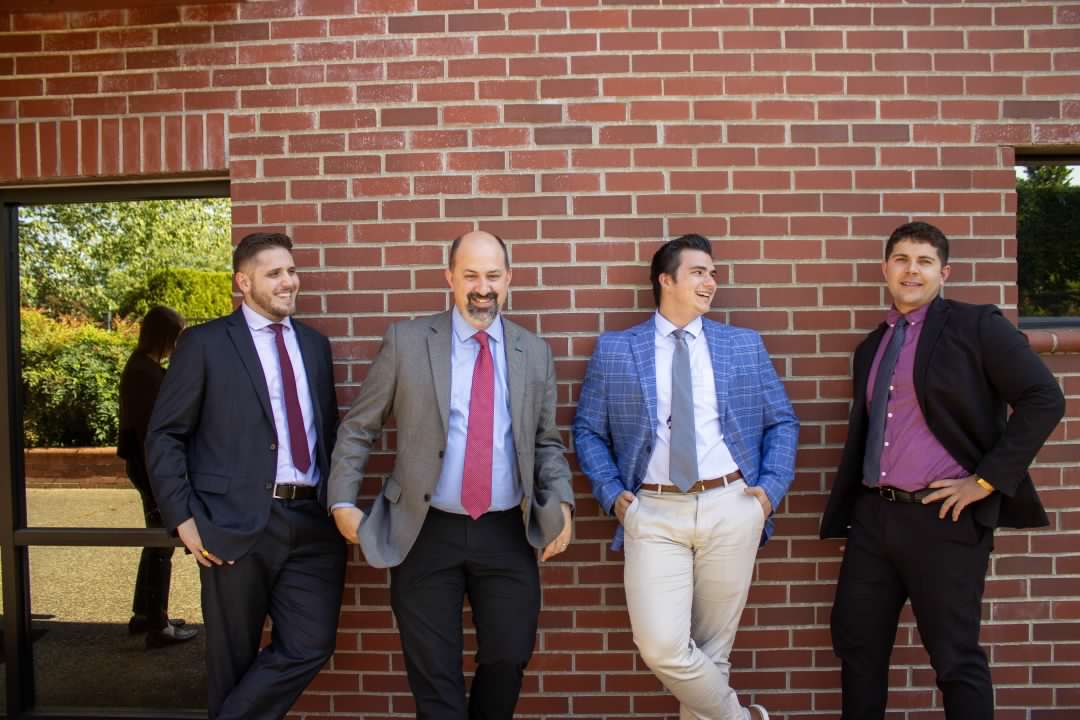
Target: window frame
x=15, y=537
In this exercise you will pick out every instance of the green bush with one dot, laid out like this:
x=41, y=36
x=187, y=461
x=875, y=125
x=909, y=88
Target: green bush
x=71, y=380
x=195, y=294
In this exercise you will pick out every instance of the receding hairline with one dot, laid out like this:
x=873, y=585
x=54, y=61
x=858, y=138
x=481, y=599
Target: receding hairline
x=478, y=234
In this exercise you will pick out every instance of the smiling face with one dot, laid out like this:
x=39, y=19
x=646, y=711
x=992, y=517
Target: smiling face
x=479, y=278
x=269, y=283
x=914, y=274
x=689, y=292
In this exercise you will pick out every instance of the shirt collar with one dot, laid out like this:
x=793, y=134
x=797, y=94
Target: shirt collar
x=913, y=318
x=257, y=322
x=665, y=327
x=464, y=331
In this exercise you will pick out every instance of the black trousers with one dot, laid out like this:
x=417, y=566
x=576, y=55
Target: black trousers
x=490, y=560
x=897, y=551
x=152, y=581
x=295, y=574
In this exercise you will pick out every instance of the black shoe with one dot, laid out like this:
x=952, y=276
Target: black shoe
x=171, y=635
x=139, y=624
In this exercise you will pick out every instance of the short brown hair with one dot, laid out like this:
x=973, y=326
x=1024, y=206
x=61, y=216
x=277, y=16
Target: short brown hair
x=255, y=243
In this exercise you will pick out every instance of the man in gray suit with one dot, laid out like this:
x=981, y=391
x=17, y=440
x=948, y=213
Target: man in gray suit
x=480, y=486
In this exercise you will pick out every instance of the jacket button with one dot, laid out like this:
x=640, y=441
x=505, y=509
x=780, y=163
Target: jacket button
x=273, y=446
x=427, y=497
x=441, y=453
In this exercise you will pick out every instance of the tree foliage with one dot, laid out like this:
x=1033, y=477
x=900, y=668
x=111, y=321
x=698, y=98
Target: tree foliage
x=71, y=380
x=1048, y=242
x=84, y=259
x=195, y=294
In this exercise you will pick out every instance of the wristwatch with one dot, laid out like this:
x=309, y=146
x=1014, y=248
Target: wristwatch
x=984, y=485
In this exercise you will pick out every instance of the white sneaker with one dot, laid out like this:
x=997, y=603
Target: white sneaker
x=760, y=714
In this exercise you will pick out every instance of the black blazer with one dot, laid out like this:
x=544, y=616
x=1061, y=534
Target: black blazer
x=212, y=447
x=971, y=364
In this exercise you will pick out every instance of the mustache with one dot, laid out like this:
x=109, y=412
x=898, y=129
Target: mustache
x=473, y=297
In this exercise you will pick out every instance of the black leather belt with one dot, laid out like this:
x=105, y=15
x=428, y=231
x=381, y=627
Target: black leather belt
x=896, y=495
x=294, y=492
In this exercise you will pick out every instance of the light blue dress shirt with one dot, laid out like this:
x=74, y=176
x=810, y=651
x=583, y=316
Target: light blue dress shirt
x=505, y=484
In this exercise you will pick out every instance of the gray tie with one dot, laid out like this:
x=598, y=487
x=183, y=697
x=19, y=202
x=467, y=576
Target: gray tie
x=683, y=467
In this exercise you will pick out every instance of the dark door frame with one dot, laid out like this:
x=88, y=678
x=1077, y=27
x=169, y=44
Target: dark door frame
x=15, y=537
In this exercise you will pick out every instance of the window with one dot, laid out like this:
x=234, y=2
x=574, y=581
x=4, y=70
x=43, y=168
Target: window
x=1048, y=241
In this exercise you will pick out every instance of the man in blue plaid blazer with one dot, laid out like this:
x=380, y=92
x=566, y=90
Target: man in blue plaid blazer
x=688, y=438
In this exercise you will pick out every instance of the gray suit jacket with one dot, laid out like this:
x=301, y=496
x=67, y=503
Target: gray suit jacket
x=410, y=380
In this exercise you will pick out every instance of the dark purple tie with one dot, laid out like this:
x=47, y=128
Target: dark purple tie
x=297, y=433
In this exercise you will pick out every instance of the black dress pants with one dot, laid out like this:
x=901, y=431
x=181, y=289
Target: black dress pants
x=154, y=576
x=896, y=551
x=490, y=560
x=295, y=574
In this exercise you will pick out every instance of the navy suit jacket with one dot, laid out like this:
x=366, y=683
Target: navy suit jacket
x=212, y=446
x=615, y=425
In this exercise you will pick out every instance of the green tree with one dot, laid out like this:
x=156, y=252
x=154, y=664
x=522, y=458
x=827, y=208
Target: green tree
x=1048, y=242
x=84, y=259
x=195, y=294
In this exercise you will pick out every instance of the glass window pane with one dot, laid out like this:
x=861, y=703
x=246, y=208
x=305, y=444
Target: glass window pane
x=84, y=654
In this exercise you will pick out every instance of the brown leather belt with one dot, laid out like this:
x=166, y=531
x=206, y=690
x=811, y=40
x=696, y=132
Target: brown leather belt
x=294, y=492
x=699, y=486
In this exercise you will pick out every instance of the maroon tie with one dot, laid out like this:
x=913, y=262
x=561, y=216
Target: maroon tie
x=476, y=478
x=297, y=433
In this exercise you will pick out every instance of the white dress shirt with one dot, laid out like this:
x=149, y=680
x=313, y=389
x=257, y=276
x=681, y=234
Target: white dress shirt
x=266, y=347
x=714, y=458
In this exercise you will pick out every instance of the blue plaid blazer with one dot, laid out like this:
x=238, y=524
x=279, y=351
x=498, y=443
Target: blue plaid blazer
x=615, y=424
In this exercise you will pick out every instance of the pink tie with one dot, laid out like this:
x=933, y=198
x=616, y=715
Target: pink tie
x=476, y=478
x=297, y=433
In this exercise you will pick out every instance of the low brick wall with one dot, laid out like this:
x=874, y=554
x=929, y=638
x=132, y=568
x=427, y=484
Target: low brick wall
x=75, y=468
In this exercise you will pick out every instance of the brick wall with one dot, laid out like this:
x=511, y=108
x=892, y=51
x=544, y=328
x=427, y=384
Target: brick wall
x=795, y=135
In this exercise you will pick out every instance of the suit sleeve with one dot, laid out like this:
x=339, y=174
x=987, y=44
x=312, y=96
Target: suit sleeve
x=551, y=471
x=173, y=422
x=780, y=432
x=330, y=399
x=592, y=434
x=363, y=424
x=1027, y=385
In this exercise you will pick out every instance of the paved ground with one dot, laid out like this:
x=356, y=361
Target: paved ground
x=81, y=602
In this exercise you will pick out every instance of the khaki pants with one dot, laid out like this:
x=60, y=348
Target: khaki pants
x=689, y=562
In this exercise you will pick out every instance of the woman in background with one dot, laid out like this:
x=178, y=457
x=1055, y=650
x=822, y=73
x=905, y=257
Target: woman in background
x=139, y=387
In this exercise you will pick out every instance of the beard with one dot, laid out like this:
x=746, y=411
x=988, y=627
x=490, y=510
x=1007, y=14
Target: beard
x=483, y=314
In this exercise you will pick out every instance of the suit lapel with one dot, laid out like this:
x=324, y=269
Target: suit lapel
x=515, y=370
x=439, y=356
x=721, y=365
x=240, y=335
x=934, y=324
x=643, y=345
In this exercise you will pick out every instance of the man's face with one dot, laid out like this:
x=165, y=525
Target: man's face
x=479, y=279
x=269, y=283
x=914, y=274
x=690, y=292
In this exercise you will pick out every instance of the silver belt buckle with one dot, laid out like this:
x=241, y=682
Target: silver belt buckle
x=888, y=493
x=275, y=493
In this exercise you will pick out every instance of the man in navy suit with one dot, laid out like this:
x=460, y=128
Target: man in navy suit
x=688, y=438
x=239, y=449
x=932, y=464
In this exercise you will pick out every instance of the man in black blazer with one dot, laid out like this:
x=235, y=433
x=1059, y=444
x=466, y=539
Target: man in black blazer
x=932, y=464
x=238, y=449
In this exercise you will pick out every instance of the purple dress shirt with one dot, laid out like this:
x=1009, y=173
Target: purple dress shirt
x=912, y=457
